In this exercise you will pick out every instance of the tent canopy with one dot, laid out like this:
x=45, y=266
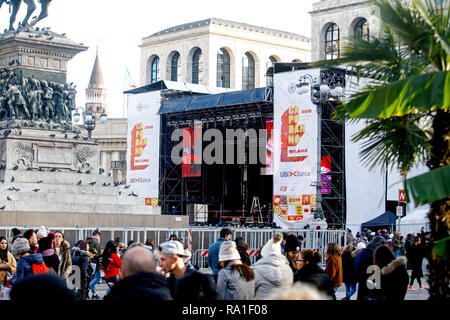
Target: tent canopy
x=383, y=220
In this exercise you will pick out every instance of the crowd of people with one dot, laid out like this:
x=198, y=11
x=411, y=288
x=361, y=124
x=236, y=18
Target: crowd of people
x=42, y=260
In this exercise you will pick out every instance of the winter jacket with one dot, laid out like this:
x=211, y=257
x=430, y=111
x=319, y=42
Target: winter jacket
x=271, y=272
x=94, y=244
x=363, y=260
x=51, y=260
x=172, y=281
x=415, y=257
x=114, y=266
x=80, y=258
x=314, y=275
x=348, y=268
x=333, y=269
x=65, y=261
x=140, y=287
x=213, y=255
x=394, y=280
x=232, y=286
x=13, y=263
x=24, y=266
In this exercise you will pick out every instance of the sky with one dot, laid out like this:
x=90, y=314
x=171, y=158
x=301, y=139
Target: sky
x=119, y=26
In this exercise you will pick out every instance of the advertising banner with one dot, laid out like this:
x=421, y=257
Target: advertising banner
x=269, y=147
x=192, y=157
x=325, y=169
x=143, y=145
x=295, y=150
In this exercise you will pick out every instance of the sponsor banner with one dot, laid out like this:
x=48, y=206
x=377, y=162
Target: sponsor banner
x=143, y=144
x=295, y=162
x=269, y=147
x=325, y=169
x=192, y=158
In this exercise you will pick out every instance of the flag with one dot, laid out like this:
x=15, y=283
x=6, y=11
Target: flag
x=129, y=82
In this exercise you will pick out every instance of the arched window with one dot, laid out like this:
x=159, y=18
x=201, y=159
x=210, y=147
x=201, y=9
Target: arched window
x=195, y=65
x=174, y=67
x=362, y=29
x=269, y=72
x=154, y=70
x=223, y=69
x=248, y=72
x=332, y=38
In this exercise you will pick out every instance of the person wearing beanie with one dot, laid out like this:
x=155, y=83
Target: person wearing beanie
x=41, y=233
x=243, y=247
x=21, y=250
x=291, y=250
x=272, y=271
x=51, y=259
x=235, y=281
x=362, y=261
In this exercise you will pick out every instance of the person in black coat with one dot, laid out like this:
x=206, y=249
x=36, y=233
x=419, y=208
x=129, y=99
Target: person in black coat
x=51, y=259
x=415, y=257
x=394, y=277
x=309, y=272
x=364, y=260
x=139, y=280
x=80, y=258
x=349, y=276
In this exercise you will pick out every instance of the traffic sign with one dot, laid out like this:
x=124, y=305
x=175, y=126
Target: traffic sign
x=401, y=196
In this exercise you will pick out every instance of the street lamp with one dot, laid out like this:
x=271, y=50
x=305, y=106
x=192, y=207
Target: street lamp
x=90, y=120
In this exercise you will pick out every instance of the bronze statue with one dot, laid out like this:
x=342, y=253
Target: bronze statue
x=44, y=11
x=31, y=6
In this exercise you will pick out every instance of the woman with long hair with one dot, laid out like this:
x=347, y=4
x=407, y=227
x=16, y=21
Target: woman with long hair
x=235, y=281
x=62, y=249
x=7, y=261
x=348, y=271
x=111, y=263
x=394, y=278
x=333, y=266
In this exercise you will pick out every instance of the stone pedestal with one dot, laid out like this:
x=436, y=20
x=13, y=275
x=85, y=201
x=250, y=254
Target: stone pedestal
x=40, y=54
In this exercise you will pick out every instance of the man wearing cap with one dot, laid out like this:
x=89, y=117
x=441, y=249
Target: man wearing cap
x=94, y=243
x=213, y=252
x=172, y=260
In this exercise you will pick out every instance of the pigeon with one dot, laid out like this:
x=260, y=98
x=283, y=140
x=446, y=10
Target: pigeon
x=16, y=190
x=3, y=208
x=109, y=174
x=52, y=169
x=79, y=171
x=40, y=181
x=2, y=166
x=63, y=34
x=92, y=183
x=133, y=194
x=65, y=136
x=11, y=189
x=50, y=38
x=52, y=135
x=41, y=125
x=12, y=179
x=16, y=167
x=36, y=190
x=116, y=184
x=8, y=198
x=126, y=187
x=29, y=168
x=76, y=137
x=120, y=193
x=40, y=169
x=88, y=171
x=79, y=183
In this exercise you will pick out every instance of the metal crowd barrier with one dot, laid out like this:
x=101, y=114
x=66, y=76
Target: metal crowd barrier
x=198, y=239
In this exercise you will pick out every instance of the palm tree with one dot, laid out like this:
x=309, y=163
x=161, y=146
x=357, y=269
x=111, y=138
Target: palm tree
x=406, y=106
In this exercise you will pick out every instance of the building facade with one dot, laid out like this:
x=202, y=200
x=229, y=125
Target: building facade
x=333, y=22
x=219, y=53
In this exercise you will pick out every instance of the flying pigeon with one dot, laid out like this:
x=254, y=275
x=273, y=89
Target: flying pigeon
x=92, y=183
x=79, y=182
x=36, y=190
x=3, y=208
x=8, y=198
x=40, y=181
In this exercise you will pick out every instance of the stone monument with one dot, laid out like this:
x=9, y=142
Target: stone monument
x=49, y=171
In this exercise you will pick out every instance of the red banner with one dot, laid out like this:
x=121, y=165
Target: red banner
x=191, y=164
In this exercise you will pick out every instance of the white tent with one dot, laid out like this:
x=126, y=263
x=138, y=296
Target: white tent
x=415, y=220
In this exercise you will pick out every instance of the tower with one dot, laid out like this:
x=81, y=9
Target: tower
x=96, y=93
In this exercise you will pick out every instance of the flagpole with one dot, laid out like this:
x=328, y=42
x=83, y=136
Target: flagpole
x=123, y=96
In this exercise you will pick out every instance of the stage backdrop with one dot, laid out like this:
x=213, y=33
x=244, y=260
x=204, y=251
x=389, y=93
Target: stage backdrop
x=295, y=151
x=143, y=145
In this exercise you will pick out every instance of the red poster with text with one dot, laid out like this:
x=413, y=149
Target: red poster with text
x=191, y=163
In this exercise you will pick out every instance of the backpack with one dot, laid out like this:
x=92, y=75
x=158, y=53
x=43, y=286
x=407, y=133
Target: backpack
x=39, y=268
